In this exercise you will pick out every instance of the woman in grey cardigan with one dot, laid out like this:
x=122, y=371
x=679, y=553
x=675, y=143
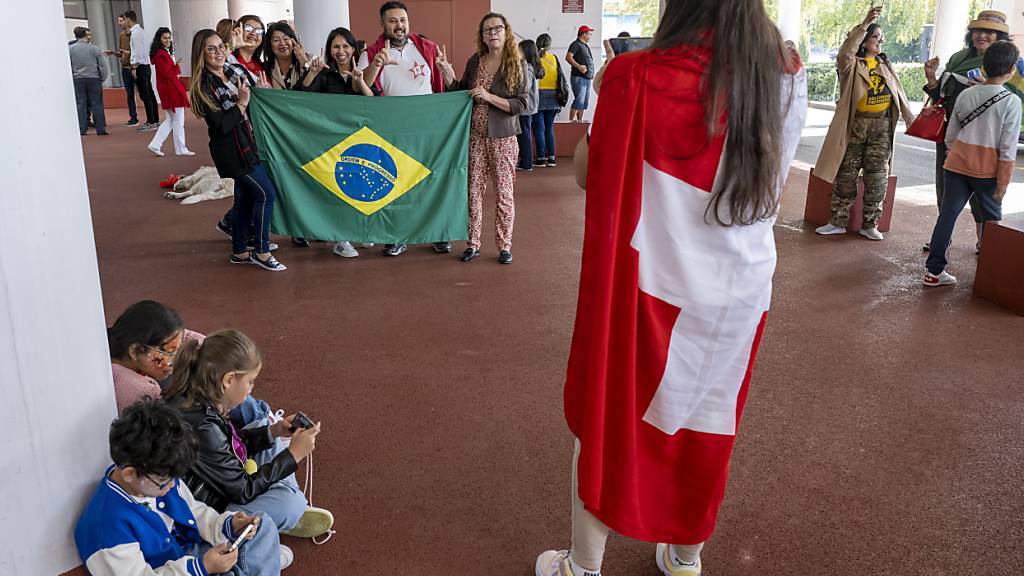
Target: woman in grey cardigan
x=496, y=77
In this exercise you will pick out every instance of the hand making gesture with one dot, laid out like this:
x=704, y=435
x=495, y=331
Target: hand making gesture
x=299, y=52
x=447, y=72
x=383, y=58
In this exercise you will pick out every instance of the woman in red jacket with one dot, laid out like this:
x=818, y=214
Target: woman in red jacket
x=173, y=96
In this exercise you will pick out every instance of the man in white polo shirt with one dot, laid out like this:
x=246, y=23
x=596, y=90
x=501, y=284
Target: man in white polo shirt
x=401, y=63
x=141, y=71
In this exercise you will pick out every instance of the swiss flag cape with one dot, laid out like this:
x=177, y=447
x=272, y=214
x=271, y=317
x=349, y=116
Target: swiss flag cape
x=671, y=305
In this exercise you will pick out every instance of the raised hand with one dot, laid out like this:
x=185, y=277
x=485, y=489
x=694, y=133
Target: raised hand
x=244, y=93
x=872, y=16
x=237, y=38
x=930, y=67
x=383, y=58
x=444, y=65
x=299, y=52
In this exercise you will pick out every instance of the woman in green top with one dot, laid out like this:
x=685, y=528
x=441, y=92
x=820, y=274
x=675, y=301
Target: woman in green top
x=962, y=71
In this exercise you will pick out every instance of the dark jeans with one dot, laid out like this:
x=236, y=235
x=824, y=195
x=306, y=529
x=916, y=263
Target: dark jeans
x=958, y=189
x=525, y=138
x=544, y=132
x=89, y=96
x=940, y=160
x=129, y=87
x=145, y=85
x=254, y=205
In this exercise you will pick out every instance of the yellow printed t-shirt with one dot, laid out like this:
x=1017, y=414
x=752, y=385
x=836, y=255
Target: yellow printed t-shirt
x=878, y=97
x=550, y=79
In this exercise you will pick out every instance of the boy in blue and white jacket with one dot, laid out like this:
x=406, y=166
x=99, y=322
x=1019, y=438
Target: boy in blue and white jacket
x=142, y=520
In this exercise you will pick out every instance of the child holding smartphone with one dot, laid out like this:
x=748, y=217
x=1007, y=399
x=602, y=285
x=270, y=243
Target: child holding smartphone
x=143, y=520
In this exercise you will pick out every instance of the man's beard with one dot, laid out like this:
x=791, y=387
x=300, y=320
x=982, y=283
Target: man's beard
x=398, y=42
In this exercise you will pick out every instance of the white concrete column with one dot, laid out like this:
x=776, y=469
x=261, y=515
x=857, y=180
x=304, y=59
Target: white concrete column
x=951, y=18
x=104, y=34
x=789, y=20
x=187, y=19
x=55, y=379
x=155, y=13
x=268, y=10
x=314, y=19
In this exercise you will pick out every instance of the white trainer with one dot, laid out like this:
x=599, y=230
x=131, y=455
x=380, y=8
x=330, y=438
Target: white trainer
x=186, y=152
x=871, y=233
x=345, y=250
x=669, y=568
x=941, y=279
x=366, y=244
x=829, y=229
x=155, y=150
x=287, y=556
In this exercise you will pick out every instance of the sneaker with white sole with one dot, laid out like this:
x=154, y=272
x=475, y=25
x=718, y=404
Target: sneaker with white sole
x=557, y=563
x=366, y=244
x=270, y=263
x=871, y=233
x=185, y=152
x=287, y=556
x=345, y=250
x=669, y=567
x=314, y=522
x=829, y=229
x=941, y=279
x=394, y=249
x=156, y=150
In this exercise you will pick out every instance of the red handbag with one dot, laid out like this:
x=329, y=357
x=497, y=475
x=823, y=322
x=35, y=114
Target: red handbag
x=930, y=124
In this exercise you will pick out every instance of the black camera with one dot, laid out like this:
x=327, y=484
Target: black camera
x=301, y=421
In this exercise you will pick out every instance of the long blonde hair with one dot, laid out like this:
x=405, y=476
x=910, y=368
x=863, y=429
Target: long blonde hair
x=511, y=58
x=201, y=100
x=199, y=369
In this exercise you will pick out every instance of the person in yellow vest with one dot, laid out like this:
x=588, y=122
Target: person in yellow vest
x=860, y=137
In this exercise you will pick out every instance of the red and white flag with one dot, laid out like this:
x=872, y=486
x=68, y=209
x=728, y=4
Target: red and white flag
x=671, y=305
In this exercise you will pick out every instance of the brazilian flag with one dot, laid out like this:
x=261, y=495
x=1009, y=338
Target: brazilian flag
x=366, y=169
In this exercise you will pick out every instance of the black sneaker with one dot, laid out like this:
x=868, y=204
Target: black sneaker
x=270, y=263
x=224, y=228
x=394, y=249
x=243, y=260
x=300, y=242
x=505, y=257
x=131, y=122
x=540, y=162
x=551, y=161
x=469, y=254
x=443, y=247
x=927, y=247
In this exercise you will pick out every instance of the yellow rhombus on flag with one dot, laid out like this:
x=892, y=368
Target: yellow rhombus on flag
x=366, y=171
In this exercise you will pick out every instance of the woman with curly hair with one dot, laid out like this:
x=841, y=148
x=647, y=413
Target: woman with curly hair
x=496, y=77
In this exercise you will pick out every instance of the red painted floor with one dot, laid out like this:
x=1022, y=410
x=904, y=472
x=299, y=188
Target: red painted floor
x=882, y=435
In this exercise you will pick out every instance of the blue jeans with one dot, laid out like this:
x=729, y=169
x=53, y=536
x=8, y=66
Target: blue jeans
x=254, y=204
x=525, y=139
x=580, y=92
x=284, y=501
x=257, y=557
x=957, y=190
x=129, y=87
x=544, y=132
x=249, y=411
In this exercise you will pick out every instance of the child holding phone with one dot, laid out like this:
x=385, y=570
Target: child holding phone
x=143, y=520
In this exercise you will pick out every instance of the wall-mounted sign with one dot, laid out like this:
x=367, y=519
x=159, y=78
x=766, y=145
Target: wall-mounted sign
x=572, y=6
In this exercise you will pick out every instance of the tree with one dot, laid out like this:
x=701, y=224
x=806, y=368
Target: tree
x=648, y=11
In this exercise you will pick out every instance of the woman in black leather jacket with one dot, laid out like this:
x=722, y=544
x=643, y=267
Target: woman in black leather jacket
x=247, y=469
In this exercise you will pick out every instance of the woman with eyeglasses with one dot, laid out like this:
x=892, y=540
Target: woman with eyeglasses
x=173, y=96
x=143, y=342
x=496, y=77
x=861, y=135
x=220, y=95
x=250, y=53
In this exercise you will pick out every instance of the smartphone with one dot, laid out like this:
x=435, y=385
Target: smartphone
x=301, y=421
x=630, y=44
x=238, y=541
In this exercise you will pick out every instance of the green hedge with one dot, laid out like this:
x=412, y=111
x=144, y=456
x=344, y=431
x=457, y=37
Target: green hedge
x=822, y=82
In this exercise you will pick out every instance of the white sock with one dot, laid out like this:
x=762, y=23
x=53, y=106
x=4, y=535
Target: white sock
x=578, y=570
x=685, y=555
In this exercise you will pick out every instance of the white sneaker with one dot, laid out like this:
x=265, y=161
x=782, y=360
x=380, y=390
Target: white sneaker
x=669, y=568
x=345, y=250
x=366, y=244
x=553, y=563
x=828, y=229
x=871, y=233
x=155, y=150
x=287, y=556
x=186, y=153
x=941, y=279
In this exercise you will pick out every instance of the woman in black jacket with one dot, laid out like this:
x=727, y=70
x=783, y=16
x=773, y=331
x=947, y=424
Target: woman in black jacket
x=246, y=469
x=220, y=95
x=337, y=73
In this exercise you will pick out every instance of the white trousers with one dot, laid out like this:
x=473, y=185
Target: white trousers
x=174, y=123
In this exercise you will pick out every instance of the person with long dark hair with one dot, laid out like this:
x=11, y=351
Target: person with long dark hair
x=690, y=147
x=863, y=128
x=220, y=95
x=284, y=58
x=250, y=53
x=496, y=77
x=547, y=105
x=337, y=72
x=963, y=70
x=173, y=95
x=534, y=72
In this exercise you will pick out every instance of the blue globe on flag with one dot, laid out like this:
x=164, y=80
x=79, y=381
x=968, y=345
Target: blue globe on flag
x=365, y=173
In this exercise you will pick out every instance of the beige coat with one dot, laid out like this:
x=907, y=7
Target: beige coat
x=853, y=84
